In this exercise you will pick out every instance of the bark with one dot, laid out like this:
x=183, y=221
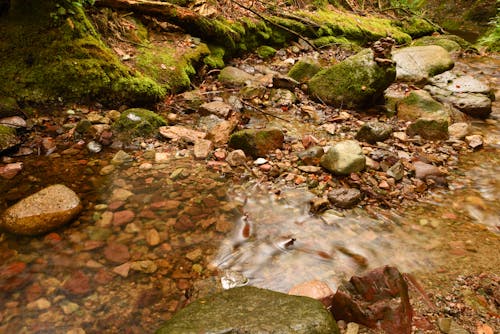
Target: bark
x=193, y=23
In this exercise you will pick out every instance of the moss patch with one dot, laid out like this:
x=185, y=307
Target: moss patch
x=137, y=122
x=265, y=51
x=8, y=137
x=304, y=70
x=44, y=60
x=216, y=57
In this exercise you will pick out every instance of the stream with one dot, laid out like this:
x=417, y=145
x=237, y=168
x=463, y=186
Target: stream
x=151, y=229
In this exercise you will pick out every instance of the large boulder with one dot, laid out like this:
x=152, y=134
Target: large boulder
x=419, y=63
x=356, y=82
x=257, y=142
x=252, y=310
x=344, y=158
x=8, y=137
x=42, y=212
x=233, y=76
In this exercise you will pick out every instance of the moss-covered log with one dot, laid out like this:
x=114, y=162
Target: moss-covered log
x=49, y=51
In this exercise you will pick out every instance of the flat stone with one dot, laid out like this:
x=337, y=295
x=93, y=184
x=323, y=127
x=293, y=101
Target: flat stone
x=344, y=197
x=9, y=171
x=120, y=194
x=179, y=132
x=424, y=170
x=373, y=132
x=474, y=141
x=123, y=217
x=146, y=266
x=252, y=311
x=120, y=158
x=344, y=158
x=77, y=284
x=257, y=142
x=459, y=130
x=236, y=158
x=419, y=63
x=116, y=253
x=202, y=148
x=234, y=76
x=218, y=108
x=42, y=212
x=153, y=237
x=13, y=122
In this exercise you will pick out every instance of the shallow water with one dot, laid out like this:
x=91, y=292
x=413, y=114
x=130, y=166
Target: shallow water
x=184, y=221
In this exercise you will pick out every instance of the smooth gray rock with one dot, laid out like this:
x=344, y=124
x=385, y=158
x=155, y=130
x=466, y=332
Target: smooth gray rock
x=218, y=108
x=344, y=198
x=252, y=310
x=344, y=158
x=234, y=76
x=419, y=63
x=373, y=132
x=473, y=104
x=42, y=212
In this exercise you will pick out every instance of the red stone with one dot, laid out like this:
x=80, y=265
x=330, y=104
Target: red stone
x=33, y=292
x=52, y=238
x=9, y=171
x=77, y=284
x=13, y=276
x=113, y=206
x=123, y=217
x=166, y=205
x=147, y=214
x=184, y=223
x=92, y=244
x=116, y=253
x=378, y=299
x=103, y=277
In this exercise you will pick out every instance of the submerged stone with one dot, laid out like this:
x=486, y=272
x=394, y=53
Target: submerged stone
x=355, y=82
x=41, y=212
x=252, y=310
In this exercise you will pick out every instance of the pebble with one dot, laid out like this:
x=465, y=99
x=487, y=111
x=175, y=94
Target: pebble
x=120, y=194
x=77, y=284
x=153, y=237
x=94, y=147
x=76, y=331
x=162, y=157
x=146, y=166
x=122, y=270
x=474, y=141
x=120, y=158
x=123, y=217
x=9, y=171
x=458, y=130
x=352, y=328
x=69, y=307
x=39, y=304
x=106, y=219
x=146, y=266
x=423, y=170
x=202, y=148
x=194, y=255
x=236, y=158
x=116, y=253
x=106, y=170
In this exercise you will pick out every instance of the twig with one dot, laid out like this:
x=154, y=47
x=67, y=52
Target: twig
x=275, y=24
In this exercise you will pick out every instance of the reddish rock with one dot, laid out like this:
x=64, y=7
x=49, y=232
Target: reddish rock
x=147, y=214
x=103, y=277
x=115, y=205
x=9, y=171
x=184, y=223
x=92, y=244
x=33, y=292
x=166, y=205
x=116, y=253
x=13, y=276
x=377, y=300
x=123, y=217
x=315, y=289
x=77, y=284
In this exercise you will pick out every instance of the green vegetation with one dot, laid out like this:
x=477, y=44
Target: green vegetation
x=265, y=51
x=491, y=39
x=138, y=122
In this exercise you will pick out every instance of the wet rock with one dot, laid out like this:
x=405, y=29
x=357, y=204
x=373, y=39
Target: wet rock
x=396, y=171
x=355, y=82
x=137, y=122
x=236, y=158
x=9, y=107
x=41, y=212
x=344, y=198
x=123, y=217
x=202, y=148
x=265, y=51
x=77, y=284
x=120, y=158
x=94, y=147
x=8, y=138
x=344, y=158
x=284, y=82
x=304, y=70
x=282, y=97
x=373, y=132
x=458, y=130
x=429, y=128
x=218, y=108
x=116, y=253
x=424, y=170
x=312, y=155
x=220, y=133
x=378, y=299
x=233, y=76
x=106, y=170
x=474, y=141
x=179, y=132
x=257, y=142
x=318, y=290
x=120, y=194
x=419, y=63
x=15, y=122
x=13, y=276
x=420, y=104
x=146, y=266
x=251, y=310
x=153, y=237
x=9, y=171
x=122, y=270
x=318, y=205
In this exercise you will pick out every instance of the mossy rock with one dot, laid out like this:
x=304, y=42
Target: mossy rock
x=8, y=138
x=252, y=310
x=46, y=59
x=266, y=51
x=137, y=122
x=429, y=128
x=8, y=107
x=233, y=76
x=420, y=104
x=327, y=41
x=216, y=57
x=416, y=27
x=257, y=142
x=356, y=82
x=304, y=70
x=448, y=44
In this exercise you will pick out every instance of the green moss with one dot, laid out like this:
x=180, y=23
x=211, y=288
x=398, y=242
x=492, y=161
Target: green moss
x=265, y=51
x=138, y=122
x=8, y=106
x=216, y=57
x=327, y=41
x=304, y=70
x=8, y=137
x=45, y=60
x=445, y=43
x=491, y=39
x=415, y=26
x=169, y=68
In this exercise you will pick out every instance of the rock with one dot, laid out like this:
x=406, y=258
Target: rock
x=344, y=158
x=440, y=40
x=123, y=217
x=284, y=82
x=304, y=70
x=444, y=324
x=233, y=76
x=218, y=108
x=8, y=138
x=77, y=284
x=424, y=170
x=318, y=290
x=257, y=142
x=9, y=171
x=41, y=212
x=373, y=132
x=202, y=148
x=352, y=328
x=396, y=171
x=137, y=122
x=9, y=107
x=15, y=122
x=251, y=310
x=120, y=158
x=378, y=299
x=116, y=253
x=179, y=132
x=265, y=51
x=153, y=237
x=458, y=130
x=146, y=266
x=356, y=82
x=456, y=329
x=120, y=194
x=282, y=97
x=312, y=155
x=474, y=141
x=220, y=133
x=419, y=63
x=393, y=95
x=429, y=128
x=344, y=198
x=236, y=158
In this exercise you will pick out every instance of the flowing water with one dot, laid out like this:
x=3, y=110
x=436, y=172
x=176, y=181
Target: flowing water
x=104, y=274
